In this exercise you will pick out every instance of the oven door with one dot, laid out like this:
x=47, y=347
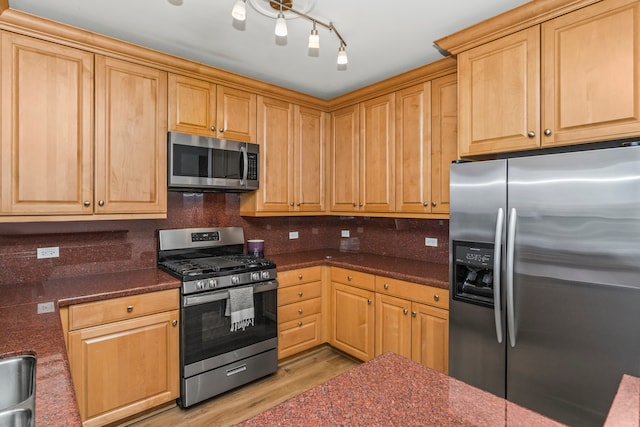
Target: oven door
x=207, y=341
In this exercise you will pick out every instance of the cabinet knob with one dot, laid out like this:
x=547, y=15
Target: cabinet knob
x=547, y=132
x=531, y=134
x=434, y=204
x=129, y=309
x=361, y=204
x=386, y=286
x=300, y=293
x=349, y=278
x=299, y=311
x=290, y=203
x=100, y=202
x=221, y=130
x=355, y=204
x=299, y=323
x=414, y=313
x=300, y=276
x=174, y=322
x=298, y=204
x=425, y=204
x=369, y=301
x=405, y=311
x=436, y=297
x=87, y=203
x=213, y=128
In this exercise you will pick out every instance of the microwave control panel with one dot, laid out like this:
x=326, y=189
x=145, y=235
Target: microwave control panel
x=252, y=171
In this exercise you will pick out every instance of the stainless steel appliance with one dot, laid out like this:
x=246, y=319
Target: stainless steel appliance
x=545, y=279
x=199, y=163
x=216, y=356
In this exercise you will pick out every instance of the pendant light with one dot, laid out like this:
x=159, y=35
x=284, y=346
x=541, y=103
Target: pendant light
x=239, y=11
x=342, y=55
x=281, y=24
x=314, y=38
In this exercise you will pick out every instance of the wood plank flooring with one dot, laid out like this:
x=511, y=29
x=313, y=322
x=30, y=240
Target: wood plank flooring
x=293, y=377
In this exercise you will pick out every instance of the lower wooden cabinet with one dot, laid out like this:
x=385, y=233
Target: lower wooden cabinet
x=124, y=355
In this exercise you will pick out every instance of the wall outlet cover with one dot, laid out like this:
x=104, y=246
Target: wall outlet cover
x=345, y=233
x=293, y=235
x=52, y=252
x=431, y=241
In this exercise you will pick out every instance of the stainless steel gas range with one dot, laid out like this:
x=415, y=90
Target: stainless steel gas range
x=229, y=332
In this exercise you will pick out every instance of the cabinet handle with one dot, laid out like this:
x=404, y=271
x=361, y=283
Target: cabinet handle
x=434, y=204
x=425, y=204
x=547, y=132
x=213, y=128
x=349, y=278
x=361, y=204
x=300, y=293
x=405, y=311
x=355, y=204
x=414, y=313
x=87, y=203
x=369, y=301
x=300, y=276
x=386, y=286
x=129, y=309
x=174, y=323
x=531, y=134
x=221, y=130
x=299, y=323
x=299, y=311
x=298, y=204
x=101, y=203
x=436, y=297
x=290, y=203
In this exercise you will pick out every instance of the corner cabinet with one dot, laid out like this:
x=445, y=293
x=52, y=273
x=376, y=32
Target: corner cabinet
x=572, y=79
x=70, y=154
x=292, y=161
x=203, y=108
x=123, y=354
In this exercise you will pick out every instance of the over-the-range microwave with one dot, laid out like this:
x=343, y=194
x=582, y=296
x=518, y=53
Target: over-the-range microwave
x=199, y=163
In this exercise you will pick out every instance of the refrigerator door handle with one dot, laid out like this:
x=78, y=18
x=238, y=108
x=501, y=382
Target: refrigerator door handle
x=497, y=261
x=511, y=237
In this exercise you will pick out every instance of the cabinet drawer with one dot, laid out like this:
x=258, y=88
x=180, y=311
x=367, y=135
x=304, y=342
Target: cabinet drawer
x=300, y=275
x=352, y=278
x=299, y=335
x=299, y=309
x=111, y=310
x=298, y=293
x=412, y=291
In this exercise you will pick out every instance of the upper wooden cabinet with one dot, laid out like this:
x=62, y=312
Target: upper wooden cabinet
x=572, y=79
x=292, y=161
x=363, y=157
x=54, y=168
x=203, y=108
x=426, y=144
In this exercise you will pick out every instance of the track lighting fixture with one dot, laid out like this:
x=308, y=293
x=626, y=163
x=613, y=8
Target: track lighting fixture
x=239, y=13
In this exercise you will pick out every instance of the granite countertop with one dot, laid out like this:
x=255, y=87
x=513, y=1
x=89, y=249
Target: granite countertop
x=27, y=332
x=422, y=272
x=393, y=390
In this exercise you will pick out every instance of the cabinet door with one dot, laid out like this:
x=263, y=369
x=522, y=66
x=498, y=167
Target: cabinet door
x=47, y=134
x=352, y=312
x=377, y=155
x=393, y=325
x=344, y=160
x=413, y=149
x=131, y=138
x=123, y=368
x=309, y=160
x=430, y=337
x=275, y=136
x=499, y=95
x=591, y=74
x=444, y=139
x=298, y=335
x=192, y=106
x=236, y=110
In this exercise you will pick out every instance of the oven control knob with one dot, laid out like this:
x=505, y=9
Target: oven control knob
x=235, y=280
x=200, y=284
x=213, y=283
x=255, y=276
x=265, y=274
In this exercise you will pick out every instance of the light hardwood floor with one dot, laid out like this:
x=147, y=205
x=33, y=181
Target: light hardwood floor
x=293, y=377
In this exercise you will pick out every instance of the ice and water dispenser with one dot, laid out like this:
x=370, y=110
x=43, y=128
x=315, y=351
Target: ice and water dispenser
x=473, y=272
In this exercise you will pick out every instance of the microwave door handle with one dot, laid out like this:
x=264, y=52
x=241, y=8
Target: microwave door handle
x=245, y=163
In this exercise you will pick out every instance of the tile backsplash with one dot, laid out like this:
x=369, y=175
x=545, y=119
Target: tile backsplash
x=94, y=247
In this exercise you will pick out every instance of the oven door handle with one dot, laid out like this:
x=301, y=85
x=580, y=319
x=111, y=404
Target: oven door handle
x=224, y=294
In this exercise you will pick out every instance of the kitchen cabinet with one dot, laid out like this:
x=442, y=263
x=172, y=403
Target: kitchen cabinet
x=292, y=161
x=572, y=79
x=412, y=320
x=203, y=108
x=299, y=310
x=363, y=157
x=54, y=168
x=352, y=312
x=123, y=354
x=426, y=144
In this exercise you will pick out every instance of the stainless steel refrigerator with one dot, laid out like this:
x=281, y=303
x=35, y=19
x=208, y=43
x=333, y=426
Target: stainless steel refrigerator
x=545, y=279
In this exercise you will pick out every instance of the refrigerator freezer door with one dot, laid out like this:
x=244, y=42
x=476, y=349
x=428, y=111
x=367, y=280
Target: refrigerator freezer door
x=576, y=281
x=478, y=192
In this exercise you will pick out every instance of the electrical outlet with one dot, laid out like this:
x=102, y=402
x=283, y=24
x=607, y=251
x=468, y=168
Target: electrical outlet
x=345, y=233
x=293, y=235
x=431, y=241
x=52, y=252
x=46, y=307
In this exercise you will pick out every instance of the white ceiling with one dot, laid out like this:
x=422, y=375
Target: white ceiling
x=383, y=37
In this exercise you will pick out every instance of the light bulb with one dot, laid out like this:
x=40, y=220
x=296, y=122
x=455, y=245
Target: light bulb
x=239, y=11
x=342, y=56
x=281, y=26
x=314, y=39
